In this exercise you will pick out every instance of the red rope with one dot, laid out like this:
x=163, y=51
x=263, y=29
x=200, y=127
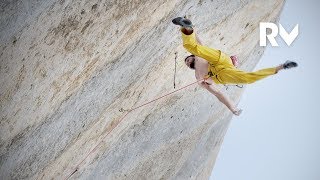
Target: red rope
x=93, y=150
x=166, y=95
x=128, y=111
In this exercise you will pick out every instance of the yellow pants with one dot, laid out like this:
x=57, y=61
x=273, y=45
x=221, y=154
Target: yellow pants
x=220, y=65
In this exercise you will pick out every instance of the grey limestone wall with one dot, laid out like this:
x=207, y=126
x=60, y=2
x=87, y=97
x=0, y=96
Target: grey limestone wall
x=67, y=67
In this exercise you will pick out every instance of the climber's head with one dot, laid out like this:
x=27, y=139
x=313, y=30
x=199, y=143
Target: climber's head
x=189, y=60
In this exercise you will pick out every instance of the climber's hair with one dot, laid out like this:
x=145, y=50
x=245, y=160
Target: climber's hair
x=192, y=64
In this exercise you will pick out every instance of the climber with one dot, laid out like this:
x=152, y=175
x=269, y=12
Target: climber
x=215, y=66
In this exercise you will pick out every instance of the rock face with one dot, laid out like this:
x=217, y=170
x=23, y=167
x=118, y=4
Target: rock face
x=68, y=67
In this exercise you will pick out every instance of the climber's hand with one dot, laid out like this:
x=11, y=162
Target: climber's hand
x=237, y=111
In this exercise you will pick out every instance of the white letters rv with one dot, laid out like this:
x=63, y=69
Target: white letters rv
x=287, y=37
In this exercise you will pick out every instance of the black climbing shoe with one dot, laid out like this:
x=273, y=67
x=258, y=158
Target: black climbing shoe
x=289, y=64
x=183, y=22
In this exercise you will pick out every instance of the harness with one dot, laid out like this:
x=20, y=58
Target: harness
x=211, y=74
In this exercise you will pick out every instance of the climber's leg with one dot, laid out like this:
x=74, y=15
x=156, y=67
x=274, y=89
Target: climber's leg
x=235, y=76
x=191, y=44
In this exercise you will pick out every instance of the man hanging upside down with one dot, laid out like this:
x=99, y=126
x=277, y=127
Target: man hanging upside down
x=216, y=67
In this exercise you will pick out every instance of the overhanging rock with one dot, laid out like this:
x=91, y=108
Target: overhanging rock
x=68, y=67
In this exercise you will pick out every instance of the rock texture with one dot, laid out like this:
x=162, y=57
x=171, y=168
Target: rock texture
x=68, y=67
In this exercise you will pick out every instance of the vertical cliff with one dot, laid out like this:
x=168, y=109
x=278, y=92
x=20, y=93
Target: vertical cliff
x=68, y=67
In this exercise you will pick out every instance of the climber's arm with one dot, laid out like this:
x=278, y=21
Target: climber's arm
x=222, y=98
